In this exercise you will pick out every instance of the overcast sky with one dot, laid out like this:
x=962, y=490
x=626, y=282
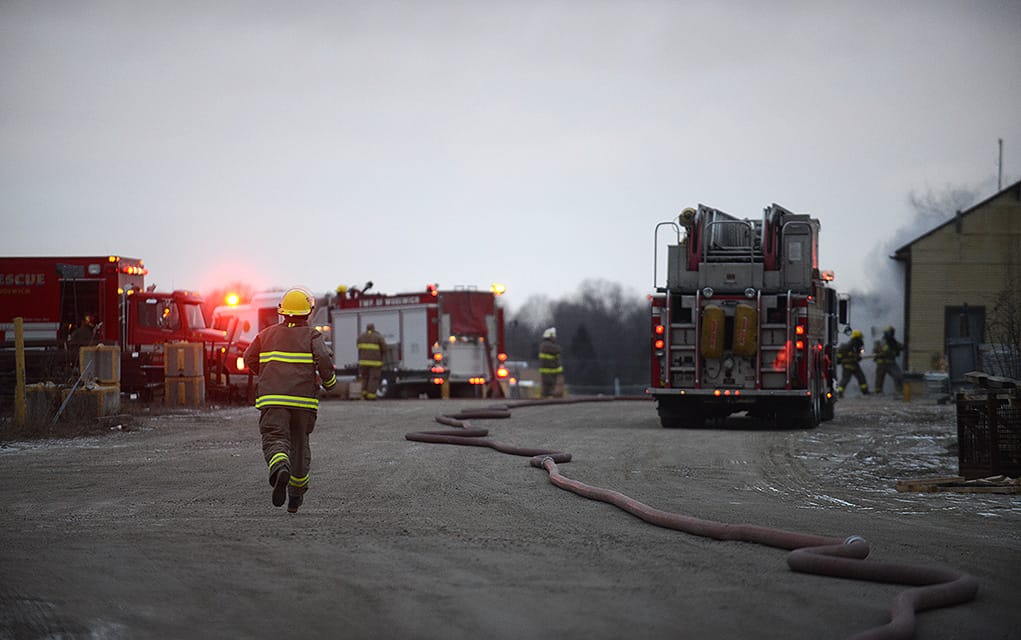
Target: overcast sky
x=531, y=143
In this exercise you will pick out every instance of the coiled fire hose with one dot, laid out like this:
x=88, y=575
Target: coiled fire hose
x=932, y=588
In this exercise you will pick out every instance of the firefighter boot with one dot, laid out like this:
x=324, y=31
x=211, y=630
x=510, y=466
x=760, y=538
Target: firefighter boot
x=840, y=392
x=280, y=480
x=864, y=389
x=293, y=503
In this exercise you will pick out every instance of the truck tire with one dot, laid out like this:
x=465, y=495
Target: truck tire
x=680, y=415
x=827, y=409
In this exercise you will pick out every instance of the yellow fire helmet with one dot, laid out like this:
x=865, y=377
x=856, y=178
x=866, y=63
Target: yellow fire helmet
x=296, y=302
x=856, y=334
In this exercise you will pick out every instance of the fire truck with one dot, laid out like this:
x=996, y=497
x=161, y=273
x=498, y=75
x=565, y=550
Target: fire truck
x=438, y=342
x=53, y=296
x=746, y=321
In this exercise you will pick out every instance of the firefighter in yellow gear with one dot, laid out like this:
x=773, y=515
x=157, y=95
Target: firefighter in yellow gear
x=886, y=351
x=849, y=358
x=549, y=363
x=371, y=353
x=292, y=360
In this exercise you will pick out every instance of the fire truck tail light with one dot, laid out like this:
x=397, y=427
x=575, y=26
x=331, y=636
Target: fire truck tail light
x=659, y=344
x=660, y=330
x=240, y=363
x=502, y=357
x=799, y=344
x=437, y=380
x=437, y=356
x=502, y=372
x=800, y=330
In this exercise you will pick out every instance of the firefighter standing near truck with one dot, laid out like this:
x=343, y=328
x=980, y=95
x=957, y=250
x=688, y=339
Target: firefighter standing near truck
x=849, y=358
x=83, y=336
x=549, y=363
x=886, y=352
x=287, y=358
x=371, y=350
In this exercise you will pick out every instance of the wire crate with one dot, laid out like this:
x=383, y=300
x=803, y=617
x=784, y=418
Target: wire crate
x=989, y=432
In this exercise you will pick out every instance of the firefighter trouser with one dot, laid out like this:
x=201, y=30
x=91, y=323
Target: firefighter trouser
x=369, y=377
x=892, y=368
x=285, y=442
x=549, y=384
x=847, y=371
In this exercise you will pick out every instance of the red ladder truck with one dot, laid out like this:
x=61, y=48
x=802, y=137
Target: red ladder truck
x=746, y=321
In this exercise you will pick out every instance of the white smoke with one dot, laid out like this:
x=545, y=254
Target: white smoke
x=882, y=305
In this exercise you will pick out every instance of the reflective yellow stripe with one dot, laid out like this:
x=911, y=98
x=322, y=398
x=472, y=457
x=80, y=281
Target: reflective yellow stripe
x=332, y=382
x=370, y=363
x=286, y=401
x=279, y=457
x=368, y=345
x=297, y=357
x=557, y=370
x=548, y=356
x=299, y=482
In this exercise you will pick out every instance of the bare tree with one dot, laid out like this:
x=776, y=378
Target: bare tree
x=1003, y=356
x=605, y=331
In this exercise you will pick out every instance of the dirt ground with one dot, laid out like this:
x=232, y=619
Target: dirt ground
x=164, y=529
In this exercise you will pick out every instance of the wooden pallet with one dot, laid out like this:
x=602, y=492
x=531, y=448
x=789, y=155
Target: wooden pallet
x=958, y=484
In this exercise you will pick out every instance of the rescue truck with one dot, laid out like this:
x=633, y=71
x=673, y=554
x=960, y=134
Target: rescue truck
x=54, y=295
x=438, y=342
x=746, y=321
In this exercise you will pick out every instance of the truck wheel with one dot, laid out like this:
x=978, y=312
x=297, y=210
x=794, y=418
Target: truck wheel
x=827, y=409
x=680, y=415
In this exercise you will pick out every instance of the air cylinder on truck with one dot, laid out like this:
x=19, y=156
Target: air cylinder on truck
x=713, y=331
x=746, y=338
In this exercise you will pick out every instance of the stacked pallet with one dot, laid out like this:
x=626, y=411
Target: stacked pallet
x=184, y=382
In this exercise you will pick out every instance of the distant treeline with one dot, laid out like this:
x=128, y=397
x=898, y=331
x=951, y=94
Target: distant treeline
x=603, y=332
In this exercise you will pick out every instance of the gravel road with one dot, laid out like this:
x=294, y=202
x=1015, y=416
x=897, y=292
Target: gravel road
x=165, y=529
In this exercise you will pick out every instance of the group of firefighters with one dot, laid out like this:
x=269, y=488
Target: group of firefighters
x=292, y=361
x=885, y=352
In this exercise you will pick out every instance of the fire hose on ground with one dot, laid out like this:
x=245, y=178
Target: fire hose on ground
x=931, y=588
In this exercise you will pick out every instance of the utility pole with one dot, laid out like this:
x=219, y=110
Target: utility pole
x=999, y=169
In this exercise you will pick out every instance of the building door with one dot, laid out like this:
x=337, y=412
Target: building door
x=963, y=330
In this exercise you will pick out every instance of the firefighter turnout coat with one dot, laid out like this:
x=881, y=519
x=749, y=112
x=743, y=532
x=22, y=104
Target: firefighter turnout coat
x=549, y=365
x=287, y=357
